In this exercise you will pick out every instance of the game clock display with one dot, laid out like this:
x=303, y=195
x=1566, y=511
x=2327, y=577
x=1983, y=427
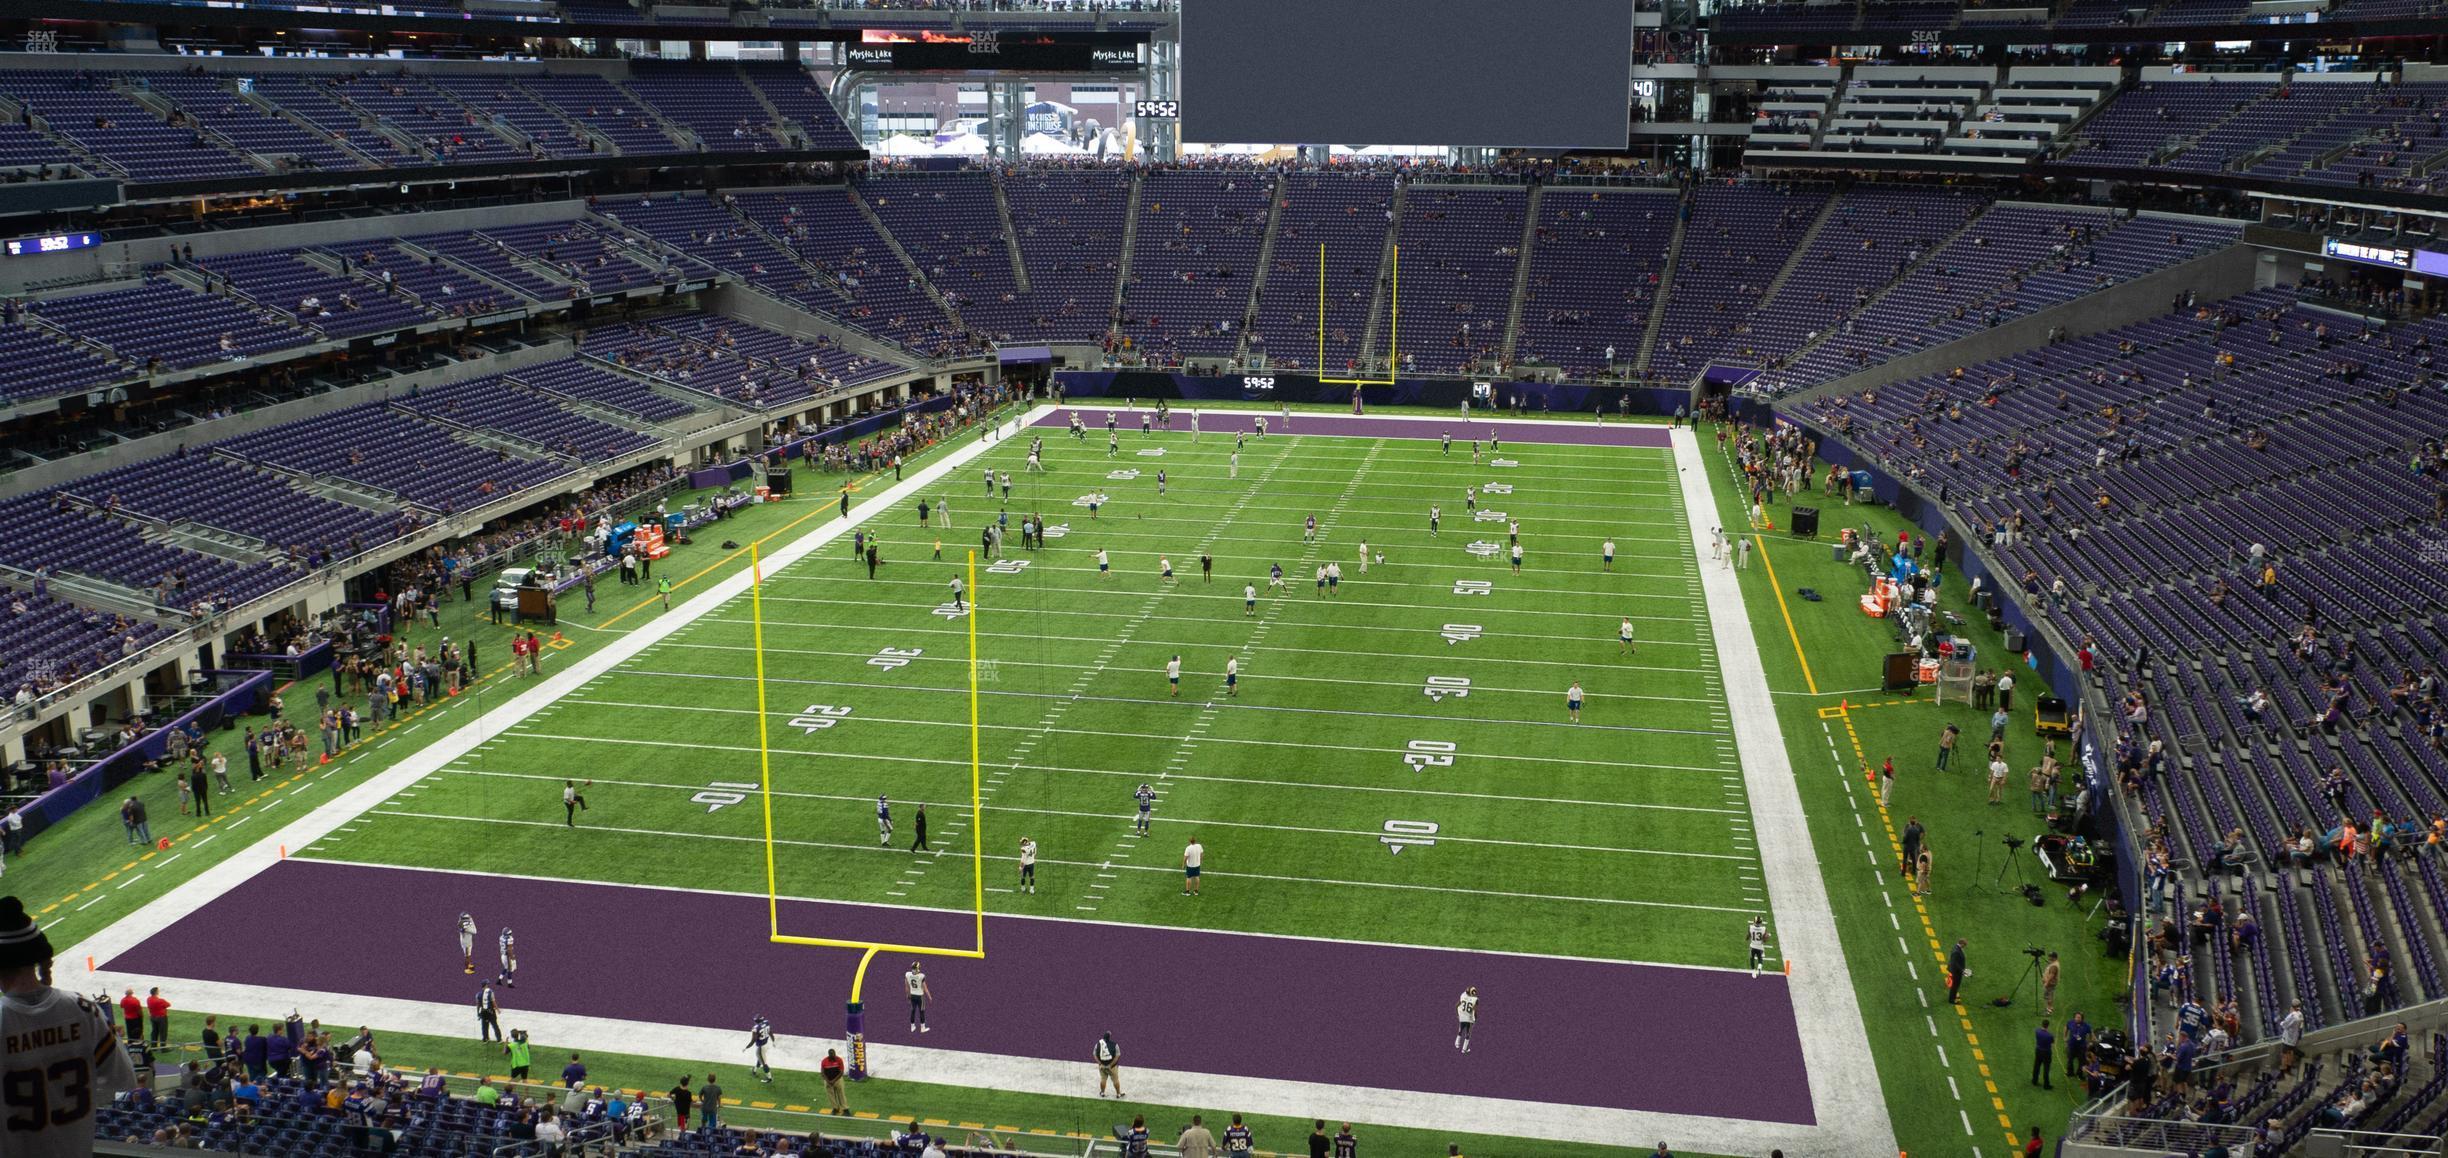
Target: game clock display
x=1160, y=110
x=55, y=243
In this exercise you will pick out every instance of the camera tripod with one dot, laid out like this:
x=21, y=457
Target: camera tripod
x=2031, y=973
x=2014, y=844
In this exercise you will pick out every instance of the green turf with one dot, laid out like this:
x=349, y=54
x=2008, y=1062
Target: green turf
x=1907, y=1015
x=1605, y=838
x=77, y=869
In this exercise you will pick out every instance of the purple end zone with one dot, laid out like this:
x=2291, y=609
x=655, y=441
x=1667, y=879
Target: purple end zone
x=1635, y=1037
x=1092, y=415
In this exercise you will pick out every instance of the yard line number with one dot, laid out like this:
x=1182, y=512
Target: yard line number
x=1459, y=633
x=1473, y=586
x=893, y=657
x=722, y=794
x=1428, y=754
x=818, y=717
x=1440, y=687
x=1402, y=834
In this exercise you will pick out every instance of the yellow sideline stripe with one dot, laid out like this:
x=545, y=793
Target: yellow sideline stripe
x=1895, y=843
x=1787, y=612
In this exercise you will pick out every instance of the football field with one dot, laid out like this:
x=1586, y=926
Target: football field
x=1396, y=763
x=1391, y=797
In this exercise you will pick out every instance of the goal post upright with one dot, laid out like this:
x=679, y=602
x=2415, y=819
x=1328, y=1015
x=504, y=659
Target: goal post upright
x=855, y=1019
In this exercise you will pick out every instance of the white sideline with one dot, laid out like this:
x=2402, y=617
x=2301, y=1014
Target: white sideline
x=132, y=930
x=1844, y=1081
x=1844, y=1088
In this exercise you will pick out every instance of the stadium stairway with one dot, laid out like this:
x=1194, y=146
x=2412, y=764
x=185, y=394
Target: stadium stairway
x=160, y=105
x=1666, y=280
x=918, y=275
x=1521, y=272
x=1801, y=245
x=1130, y=243
x=1259, y=273
x=1011, y=235
x=1388, y=272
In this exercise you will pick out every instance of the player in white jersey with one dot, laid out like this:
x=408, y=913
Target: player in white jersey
x=1249, y=600
x=1194, y=430
x=1470, y=499
x=1364, y=556
x=1623, y=637
x=760, y=1037
x=509, y=959
x=1606, y=552
x=1164, y=565
x=1759, y=943
x=915, y=981
x=467, y=942
x=62, y=1054
x=1236, y=465
x=1466, y=1015
x=1232, y=676
x=1173, y=676
x=1028, y=864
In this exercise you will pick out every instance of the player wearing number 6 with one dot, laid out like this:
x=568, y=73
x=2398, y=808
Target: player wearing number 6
x=1572, y=701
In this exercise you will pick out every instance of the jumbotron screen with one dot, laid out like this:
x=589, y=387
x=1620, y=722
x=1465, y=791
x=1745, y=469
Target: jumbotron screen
x=1517, y=73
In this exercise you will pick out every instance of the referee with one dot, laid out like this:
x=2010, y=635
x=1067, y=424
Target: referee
x=488, y=1016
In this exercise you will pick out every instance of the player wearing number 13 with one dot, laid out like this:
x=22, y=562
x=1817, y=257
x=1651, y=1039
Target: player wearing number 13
x=63, y=1053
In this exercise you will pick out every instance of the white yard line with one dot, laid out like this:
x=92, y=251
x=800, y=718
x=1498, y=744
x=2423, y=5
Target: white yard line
x=962, y=662
x=771, y=679
x=538, y=694
x=1841, y=1096
x=1844, y=1080
x=1303, y=744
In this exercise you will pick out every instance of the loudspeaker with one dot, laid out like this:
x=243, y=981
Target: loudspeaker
x=1806, y=522
x=778, y=482
x=2015, y=641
